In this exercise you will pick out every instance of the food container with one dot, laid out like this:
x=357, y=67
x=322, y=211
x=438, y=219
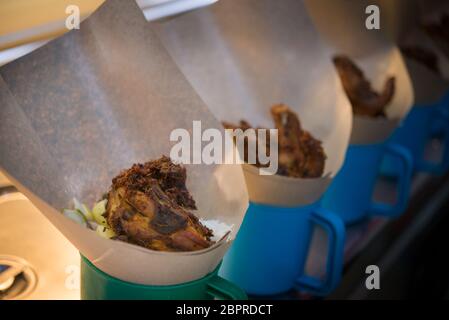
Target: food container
x=352, y=191
x=431, y=12
x=80, y=109
x=97, y=285
x=350, y=194
x=242, y=57
x=254, y=250
x=428, y=118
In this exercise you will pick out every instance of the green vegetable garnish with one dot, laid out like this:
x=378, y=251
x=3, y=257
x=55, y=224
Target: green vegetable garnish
x=98, y=210
x=83, y=209
x=105, y=232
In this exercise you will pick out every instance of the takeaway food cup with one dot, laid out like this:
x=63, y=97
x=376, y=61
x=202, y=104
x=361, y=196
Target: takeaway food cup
x=90, y=104
x=242, y=57
x=351, y=192
x=420, y=127
x=428, y=118
x=431, y=12
x=269, y=254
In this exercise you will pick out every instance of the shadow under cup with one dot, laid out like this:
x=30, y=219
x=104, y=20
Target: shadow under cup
x=269, y=254
x=97, y=285
x=351, y=193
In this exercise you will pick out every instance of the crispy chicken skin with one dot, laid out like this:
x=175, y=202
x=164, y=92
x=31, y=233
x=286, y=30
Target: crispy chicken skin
x=300, y=154
x=149, y=205
x=365, y=101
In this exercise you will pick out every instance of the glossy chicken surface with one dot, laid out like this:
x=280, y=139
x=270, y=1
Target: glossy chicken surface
x=149, y=205
x=300, y=154
x=365, y=101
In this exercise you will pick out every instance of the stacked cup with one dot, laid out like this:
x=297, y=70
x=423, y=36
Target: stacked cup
x=351, y=193
x=428, y=66
x=242, y=57
x=89, y=104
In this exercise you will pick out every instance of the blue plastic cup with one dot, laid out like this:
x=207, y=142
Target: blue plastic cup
x=422, y=124
x=269, y=253
x=351, y=193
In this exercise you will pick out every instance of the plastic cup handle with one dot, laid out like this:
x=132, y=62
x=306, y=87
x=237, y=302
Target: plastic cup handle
x=335, y=229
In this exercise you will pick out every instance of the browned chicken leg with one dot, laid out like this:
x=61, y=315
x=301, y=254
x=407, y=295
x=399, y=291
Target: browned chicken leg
x=365, y=101
x=149, y=205
x=300, y=154
x=291, y=154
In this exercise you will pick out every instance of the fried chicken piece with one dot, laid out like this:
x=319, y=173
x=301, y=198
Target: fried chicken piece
x=300, y=154
x=422, y=55
x=291, y=153
x=365, y=101
x=315, y=158
x=149, y=205
x=244, y=125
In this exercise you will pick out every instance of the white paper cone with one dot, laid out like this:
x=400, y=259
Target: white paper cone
x=242, y=57
x=77, y=111
x=343, y=25
x=431, y=11
x=429, y=87
x=397, y=16
x=403, y=19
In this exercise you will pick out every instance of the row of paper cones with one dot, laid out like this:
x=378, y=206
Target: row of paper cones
x=96, y=100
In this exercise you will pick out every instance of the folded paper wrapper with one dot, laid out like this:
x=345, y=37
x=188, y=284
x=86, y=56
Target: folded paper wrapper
x=397, y=16
x=403, y=20
x=431, y=11
x=428, y=86
x=244, y=56
x=93, y=102
x=374, y=52
x=157, y=9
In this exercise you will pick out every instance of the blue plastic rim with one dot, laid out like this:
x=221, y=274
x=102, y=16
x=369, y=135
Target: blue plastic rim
x=351, y=193
x=422, y=124
x=269, y=253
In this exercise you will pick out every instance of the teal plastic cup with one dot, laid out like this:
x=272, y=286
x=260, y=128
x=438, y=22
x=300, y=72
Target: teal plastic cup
x=97, y=285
